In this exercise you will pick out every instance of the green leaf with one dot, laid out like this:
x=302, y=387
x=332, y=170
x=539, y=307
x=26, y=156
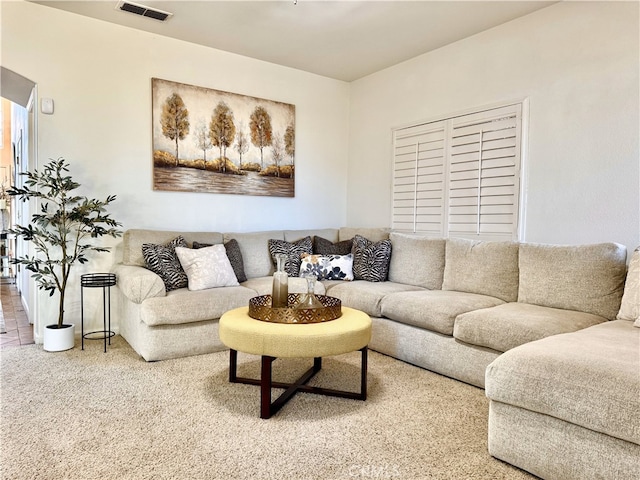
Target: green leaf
x=59, y=225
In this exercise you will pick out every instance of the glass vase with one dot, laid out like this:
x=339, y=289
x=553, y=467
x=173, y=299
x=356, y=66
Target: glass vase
x=309, y=299
x=280, y=292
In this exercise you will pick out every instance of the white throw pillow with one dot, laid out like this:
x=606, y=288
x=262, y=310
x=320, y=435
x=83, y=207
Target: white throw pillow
x=328, y=267
x=207, y=267
x=630, y=306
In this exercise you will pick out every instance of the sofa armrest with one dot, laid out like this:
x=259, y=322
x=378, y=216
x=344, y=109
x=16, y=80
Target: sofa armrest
x=138, y=283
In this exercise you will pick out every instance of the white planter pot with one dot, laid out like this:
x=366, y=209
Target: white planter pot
x=59, y=339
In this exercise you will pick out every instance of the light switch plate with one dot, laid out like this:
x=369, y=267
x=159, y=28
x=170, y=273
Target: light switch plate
x=46, y=105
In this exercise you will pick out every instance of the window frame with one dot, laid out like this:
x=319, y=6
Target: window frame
x=517, y=232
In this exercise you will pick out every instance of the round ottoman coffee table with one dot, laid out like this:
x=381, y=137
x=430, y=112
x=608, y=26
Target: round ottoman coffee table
x=241, y=333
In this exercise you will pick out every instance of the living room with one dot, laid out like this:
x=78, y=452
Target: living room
x=575, y=63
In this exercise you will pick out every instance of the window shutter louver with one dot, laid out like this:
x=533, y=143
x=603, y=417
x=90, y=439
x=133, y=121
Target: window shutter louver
x=460, y=177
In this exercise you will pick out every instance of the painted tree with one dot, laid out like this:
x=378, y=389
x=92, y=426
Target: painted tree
x=290, y=142
x=175, y=120
x=261, y=132
x=277, y=148
x=222, y=131
x=242, y=142
x=203, y=140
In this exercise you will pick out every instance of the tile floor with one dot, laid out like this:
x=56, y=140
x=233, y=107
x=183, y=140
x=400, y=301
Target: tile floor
x=13, y=318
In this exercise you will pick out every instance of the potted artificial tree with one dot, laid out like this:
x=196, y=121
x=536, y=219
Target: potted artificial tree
x=60, y=231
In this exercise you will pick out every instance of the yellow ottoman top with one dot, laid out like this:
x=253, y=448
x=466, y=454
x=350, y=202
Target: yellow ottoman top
x=350, y=332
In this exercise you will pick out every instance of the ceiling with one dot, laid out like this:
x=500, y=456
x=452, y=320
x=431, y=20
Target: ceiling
x=344, y=40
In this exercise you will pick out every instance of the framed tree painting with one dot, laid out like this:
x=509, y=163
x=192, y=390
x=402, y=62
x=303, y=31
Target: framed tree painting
x=207, y=140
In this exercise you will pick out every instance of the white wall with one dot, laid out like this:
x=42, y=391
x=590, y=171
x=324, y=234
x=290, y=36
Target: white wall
x=578, y=65
x=99, y=76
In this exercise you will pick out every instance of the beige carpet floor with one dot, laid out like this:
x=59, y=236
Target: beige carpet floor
x=89, y=415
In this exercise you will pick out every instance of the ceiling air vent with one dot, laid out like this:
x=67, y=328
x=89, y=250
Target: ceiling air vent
x=143, y=11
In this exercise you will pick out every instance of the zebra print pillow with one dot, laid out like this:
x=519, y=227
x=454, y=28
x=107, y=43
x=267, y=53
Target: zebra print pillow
x=163, y=261
x=371, y=260
x=294, y=251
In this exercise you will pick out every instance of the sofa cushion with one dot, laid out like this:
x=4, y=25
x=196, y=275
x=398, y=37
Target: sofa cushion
x=365, y=296
x=485, y=268
x=207, y=267
x=433, y=310
x=254, y=247
x=163, y=261
x=328, y=267
x=133, y=239
x=234, y=255
x=507, y=326
x=322, y=246
x=184, y=306
x=587, y=278
x=373, y=234
x=630, y=306
x=293, y=251
x=264, y=285
x=588, y=378
x=329, y=284
x=371, y=259
x=409, y=252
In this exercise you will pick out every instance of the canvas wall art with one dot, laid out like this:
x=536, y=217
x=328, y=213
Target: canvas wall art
x=207, y=140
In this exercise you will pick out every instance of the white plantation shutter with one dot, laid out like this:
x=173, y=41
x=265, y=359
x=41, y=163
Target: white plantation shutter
x=460, y=177
x=419, y=179
x=484, y=175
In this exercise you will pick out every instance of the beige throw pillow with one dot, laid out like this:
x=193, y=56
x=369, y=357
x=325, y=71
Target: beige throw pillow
x=630, y=306
x=207, y=267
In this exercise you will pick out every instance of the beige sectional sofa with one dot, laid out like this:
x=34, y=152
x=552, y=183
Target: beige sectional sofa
x=566, y=407
x=451, y=306
x=454, y=307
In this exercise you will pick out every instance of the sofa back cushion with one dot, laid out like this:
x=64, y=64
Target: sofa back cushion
x=417, y=260
x=587, y=278
x=254, y=247
x=133, y=239
x=486, y=268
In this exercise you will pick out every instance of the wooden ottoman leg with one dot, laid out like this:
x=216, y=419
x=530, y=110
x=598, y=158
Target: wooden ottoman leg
x=363, y=374
x=233, y=365
x=265, y=387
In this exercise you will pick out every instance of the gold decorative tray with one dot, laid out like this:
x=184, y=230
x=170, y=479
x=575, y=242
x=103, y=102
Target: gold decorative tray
x=260, y=308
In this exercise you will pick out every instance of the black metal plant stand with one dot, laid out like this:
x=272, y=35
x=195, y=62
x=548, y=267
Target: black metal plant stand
x=104, y=281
